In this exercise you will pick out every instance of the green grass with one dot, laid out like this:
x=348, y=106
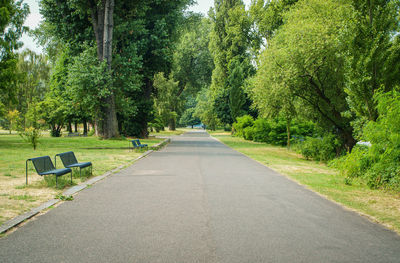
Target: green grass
x=26, y=198
x=17, y=198
x=14, y=151
x=167, y=132
x=379, y=205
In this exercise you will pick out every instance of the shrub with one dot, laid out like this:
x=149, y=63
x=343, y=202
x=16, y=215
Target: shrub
x=320, y=149
x=278, y=132
x=379, y=164
x=32, y=136
x=248, y=133
x=240, y=124
x=261, y=129
x=355, y=164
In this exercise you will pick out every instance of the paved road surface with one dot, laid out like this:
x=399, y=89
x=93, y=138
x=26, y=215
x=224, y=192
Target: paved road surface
x=199, y=201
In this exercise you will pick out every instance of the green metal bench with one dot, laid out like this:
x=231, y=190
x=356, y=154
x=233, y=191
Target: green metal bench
x=69, y=161
x=44, y=166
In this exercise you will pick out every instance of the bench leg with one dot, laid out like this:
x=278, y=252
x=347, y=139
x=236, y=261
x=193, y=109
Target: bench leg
x=56, y=181
x=71, y=177
x=26, y=172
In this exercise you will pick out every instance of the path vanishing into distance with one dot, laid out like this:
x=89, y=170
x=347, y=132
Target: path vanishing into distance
x=199, y=201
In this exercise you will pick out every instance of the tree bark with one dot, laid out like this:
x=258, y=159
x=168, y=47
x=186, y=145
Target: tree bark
x=103, y=24
x=69, y=126
x=85, y=127
x=172, y=124
x=288, y=132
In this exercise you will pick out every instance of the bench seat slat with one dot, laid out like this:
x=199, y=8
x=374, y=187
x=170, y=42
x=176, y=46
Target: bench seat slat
x=81, y=165
x=57, y=172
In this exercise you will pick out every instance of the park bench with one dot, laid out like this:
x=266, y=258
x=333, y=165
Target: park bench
x=69, y=161
x=136, y=144
x=73, y=134
x=44, y=166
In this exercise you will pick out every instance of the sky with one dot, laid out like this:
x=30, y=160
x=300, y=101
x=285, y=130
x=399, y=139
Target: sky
x=34, y=18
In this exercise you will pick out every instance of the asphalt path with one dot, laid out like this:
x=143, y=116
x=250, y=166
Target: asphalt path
x=199, y=201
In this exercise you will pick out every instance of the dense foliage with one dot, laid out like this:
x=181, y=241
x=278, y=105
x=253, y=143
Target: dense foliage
x=321, y=75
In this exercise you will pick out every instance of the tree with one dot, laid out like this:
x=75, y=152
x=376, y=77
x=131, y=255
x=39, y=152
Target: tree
x=188, y=118
x=306, y=56
x=237, y=97
x=192, y=61
x=229, y=43
x=267, y=16
x=12, y=117
x=204, y=111
x=12, y=17
x=52, y=111
x=32, y=82
x=369, y=50
x=143, y=45
x=166, y=99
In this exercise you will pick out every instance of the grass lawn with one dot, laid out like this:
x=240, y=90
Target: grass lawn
x=167, y=132
x=17, y=198
x=380, y=206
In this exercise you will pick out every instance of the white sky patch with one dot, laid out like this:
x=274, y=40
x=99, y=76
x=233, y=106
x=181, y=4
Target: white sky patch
x=32, y=21
x=203, y=6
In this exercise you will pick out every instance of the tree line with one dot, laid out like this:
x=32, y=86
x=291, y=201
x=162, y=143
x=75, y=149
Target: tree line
x=320, y=74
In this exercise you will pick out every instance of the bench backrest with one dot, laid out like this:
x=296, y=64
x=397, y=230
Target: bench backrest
x=134, y=143
x=68, y=158
x=42, y=164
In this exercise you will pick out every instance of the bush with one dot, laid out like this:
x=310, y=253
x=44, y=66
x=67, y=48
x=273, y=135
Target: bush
x=354, y=164
x=320, y=149
x=261, y=129
x=248, y=133
x=240, y=124
x=378, y=164
x=228, y=128
x=278, y=132
x=32, y=136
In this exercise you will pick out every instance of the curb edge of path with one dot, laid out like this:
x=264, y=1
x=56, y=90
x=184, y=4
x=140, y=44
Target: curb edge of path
x=14, y=222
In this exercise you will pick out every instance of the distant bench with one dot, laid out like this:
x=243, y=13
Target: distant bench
x=44, y=166
x=76, y=134
x=136, y=144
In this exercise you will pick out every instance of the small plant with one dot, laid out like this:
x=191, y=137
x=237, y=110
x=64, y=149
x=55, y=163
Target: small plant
x=13, y=117
x=65, y=197
x=7, y=175
x=348, y=181
x=32, y=136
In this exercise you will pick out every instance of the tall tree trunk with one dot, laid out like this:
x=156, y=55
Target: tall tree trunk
x=76, y=126
x=69, y=126
x=172, y=124
x=288, y=132
x=103, y=24
x=85, y=127
x=147, y=89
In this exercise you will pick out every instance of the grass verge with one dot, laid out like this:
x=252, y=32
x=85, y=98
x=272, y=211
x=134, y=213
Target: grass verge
x=379, y=205
x=17, y=198
x=167, y=132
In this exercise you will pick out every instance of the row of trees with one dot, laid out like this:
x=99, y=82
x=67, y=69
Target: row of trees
x=334, y=63
x=100, y=62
